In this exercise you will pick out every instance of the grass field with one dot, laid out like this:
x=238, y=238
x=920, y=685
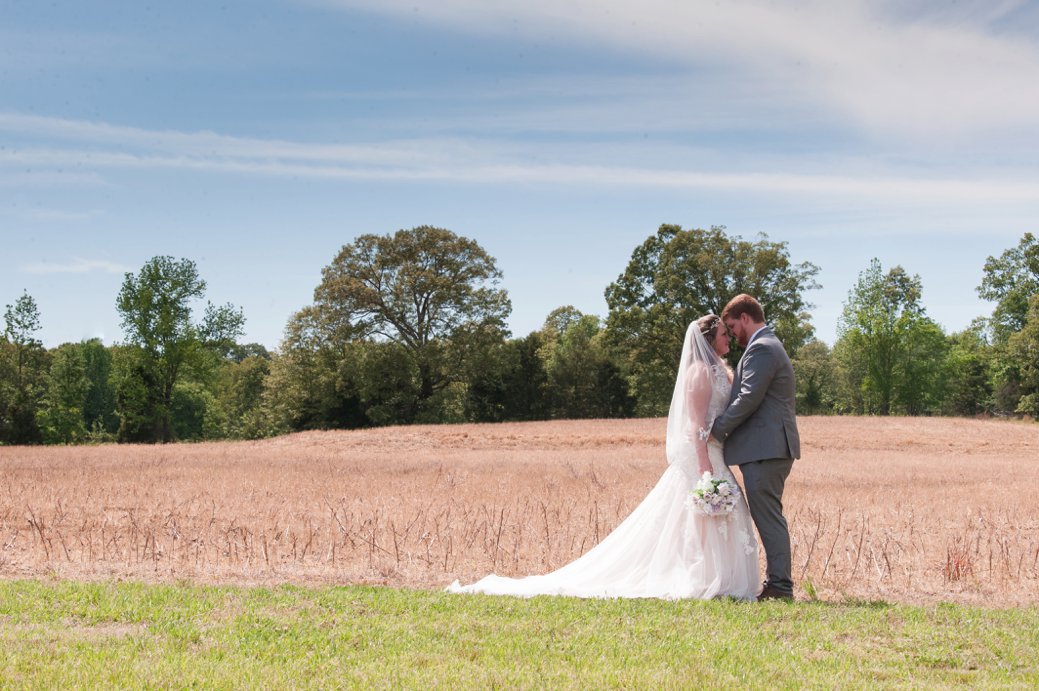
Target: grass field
x=130, y=635
x=908, y=510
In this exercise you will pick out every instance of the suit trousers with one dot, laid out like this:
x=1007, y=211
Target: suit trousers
x=763, y=483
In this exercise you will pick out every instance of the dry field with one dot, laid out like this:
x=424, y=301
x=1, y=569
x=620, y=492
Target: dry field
x=910, y=510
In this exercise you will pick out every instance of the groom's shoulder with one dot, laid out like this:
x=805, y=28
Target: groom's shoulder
x=770, y=342
x=766, y=337
x=766, y=344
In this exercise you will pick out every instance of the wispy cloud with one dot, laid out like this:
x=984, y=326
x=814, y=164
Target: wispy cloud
x=101, y=146
x=201, y=144
x=920, y=190
x=917, y=69
x=76, y=266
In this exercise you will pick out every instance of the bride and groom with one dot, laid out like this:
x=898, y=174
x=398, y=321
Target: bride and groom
x=666, y=548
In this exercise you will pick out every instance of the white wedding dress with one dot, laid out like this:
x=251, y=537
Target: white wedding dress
x=664, y=548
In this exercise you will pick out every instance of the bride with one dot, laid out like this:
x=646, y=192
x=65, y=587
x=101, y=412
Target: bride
x=665, y=548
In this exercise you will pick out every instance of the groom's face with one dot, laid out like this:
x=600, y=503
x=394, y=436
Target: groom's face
x=740, y=329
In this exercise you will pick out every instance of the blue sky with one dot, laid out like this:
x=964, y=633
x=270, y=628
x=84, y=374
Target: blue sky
x=256, y=138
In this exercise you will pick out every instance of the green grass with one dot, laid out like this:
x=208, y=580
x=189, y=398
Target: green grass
x=128, y=635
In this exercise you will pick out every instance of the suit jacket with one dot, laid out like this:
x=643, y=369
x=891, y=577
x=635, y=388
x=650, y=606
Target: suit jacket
x=759, y=423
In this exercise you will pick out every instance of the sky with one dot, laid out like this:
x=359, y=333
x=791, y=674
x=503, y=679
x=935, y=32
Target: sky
x=258, y=138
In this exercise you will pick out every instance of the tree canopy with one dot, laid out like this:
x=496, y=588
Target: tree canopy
x=678, y=275
x=156, y=307
x=890, y=351
x=431, y=292
x=23, y=365
x=410, y=327
x=1011, y=280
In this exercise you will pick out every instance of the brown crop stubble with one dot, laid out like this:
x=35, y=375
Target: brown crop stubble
x=913, y=510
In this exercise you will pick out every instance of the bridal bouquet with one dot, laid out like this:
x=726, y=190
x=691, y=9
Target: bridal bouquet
x=714, y=496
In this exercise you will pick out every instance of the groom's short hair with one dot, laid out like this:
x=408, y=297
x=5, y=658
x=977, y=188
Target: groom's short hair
x=743, y=304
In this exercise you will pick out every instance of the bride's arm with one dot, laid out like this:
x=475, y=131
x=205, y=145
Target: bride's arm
x=698, y=399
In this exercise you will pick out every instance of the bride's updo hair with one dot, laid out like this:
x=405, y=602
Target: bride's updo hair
x=708, y=324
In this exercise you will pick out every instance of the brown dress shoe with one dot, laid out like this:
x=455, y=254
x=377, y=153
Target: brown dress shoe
x=772, y=593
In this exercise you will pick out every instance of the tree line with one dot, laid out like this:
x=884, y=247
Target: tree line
x=410, y=327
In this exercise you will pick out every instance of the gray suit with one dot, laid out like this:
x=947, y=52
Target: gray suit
x=759, y=430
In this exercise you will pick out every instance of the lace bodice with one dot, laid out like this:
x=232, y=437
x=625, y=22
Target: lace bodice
x=721, y=388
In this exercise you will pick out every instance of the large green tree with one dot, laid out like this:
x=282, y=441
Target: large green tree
x=889, y=351
x=678, y=275
x=23, y=361
x=1011, y=280
x=431, y=293
x=156, y=306
x=61, y=412
x=583, y=380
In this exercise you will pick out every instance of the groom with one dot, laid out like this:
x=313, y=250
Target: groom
x=760, y=434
